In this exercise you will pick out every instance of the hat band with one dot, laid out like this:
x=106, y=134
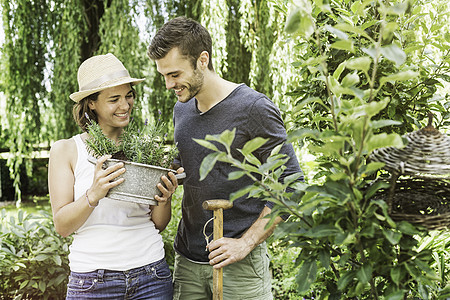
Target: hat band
x=105, y=78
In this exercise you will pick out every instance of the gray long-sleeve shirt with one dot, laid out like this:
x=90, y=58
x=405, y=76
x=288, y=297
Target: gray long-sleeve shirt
x=253, y=115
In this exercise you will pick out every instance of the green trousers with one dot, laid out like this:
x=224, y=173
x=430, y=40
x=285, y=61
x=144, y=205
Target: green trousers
x=248, y=279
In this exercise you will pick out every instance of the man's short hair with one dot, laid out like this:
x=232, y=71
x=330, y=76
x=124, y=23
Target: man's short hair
x=189, y=36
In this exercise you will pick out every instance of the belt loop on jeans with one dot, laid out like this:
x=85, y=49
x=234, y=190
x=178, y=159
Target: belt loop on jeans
x=100, y=274
x=148, y=269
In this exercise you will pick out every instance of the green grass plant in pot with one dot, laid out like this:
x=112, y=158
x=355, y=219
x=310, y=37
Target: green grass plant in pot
x=146, y=156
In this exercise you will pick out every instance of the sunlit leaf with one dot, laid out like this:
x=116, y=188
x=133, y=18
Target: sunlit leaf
x=394, y=53
x=384, y=140
x=401, y=76
x=253, y=144
x=383, y=123
x=360, y=63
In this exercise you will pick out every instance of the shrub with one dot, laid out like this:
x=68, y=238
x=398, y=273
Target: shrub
x=33, y=257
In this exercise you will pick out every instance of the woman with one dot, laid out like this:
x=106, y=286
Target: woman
x=117, y=251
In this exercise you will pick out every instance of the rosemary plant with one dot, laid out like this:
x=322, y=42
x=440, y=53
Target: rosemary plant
x=145, y=144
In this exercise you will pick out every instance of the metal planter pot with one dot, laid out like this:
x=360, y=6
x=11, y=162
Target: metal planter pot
x=140, y=182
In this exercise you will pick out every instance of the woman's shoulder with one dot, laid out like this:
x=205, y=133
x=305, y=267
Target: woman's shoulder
x=63, y=145
x=64, y=152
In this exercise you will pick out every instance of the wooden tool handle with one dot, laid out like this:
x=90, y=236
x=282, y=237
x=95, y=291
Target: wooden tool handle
x=217, y=204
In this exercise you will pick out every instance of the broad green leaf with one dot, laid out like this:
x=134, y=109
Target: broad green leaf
x=337, y=73
x=315, y=60
x=408, y=228
x=42, y=285
x=57, y=259
x=384, y=140
x=346, y=45
x=206, y=144
x=227, y=137
x=300, y=21
x=339, y=33
x=360, y=63
x=241, y=192
x=309, y=100
x=345, y=280
x=252, y=159
x=23, y=284
x=374, y=107
x=235, y=175
x=375, y=124
x=276, y=150
x=364, y=274
x=306, y=276
x=397, y=274
x=352, y=29
x=253, y=144
x=401, y=76
x=413, y=270
x=208, y=163
x=375, y=187
x=389, y=29
x=322, y=231
x=41, y=257
x=373, y=166
x=344, y=238
x=371, y=51
x=394, y=53
x=272, y=165
x=324, y=257
x=291, y=178
x=350, y=79
x=397, y=8
x=293, y=21
x=392, y=236
x=20, y=216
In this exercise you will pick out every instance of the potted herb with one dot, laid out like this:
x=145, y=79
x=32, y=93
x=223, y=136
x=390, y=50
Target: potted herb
x=145, y=154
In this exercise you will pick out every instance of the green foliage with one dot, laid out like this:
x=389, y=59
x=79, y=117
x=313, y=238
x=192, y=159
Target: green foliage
x=169, y=233
x=33, y=257
x=358, y=83
x=24, y=75
x=140, y=144
x=284, y=269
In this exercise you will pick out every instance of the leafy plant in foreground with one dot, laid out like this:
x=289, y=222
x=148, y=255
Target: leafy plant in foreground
x=350, y=248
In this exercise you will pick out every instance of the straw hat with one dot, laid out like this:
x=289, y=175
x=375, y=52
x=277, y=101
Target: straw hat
x=101, y=72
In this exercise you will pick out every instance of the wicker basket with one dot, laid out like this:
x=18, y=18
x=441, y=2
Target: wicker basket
x=420, y=179
x=420, y=200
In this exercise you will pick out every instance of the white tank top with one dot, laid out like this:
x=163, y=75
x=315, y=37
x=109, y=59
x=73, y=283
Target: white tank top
x=118, y=235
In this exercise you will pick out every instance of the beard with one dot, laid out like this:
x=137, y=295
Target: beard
x=194, y=85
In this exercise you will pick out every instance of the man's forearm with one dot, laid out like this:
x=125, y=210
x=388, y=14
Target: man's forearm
x=258, y=233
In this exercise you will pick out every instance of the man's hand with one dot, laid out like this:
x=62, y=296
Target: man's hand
x=226, y=251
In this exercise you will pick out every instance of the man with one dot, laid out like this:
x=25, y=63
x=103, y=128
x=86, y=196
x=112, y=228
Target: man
x=209, y=104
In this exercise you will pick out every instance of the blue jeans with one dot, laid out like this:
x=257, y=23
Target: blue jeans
x=153, y=281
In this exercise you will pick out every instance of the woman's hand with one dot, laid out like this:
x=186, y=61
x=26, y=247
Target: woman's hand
x=103, y=179
x=169, y=187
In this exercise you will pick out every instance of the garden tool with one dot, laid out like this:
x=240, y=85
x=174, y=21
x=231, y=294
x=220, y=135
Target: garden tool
x=217, y=206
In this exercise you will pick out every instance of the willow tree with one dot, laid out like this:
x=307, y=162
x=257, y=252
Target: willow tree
x=47, y=40
x=24, y=59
